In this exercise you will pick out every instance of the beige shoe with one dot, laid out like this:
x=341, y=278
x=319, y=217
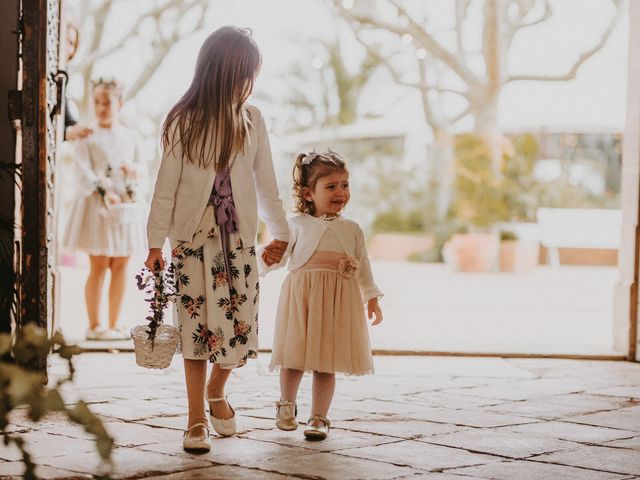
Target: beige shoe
x=317, y=428
x=286, y=412
x=198, y=443
x=224, y=426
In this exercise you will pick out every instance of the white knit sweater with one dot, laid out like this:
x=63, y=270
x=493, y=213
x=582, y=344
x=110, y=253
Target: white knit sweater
x=182, y=191
x=307, y=232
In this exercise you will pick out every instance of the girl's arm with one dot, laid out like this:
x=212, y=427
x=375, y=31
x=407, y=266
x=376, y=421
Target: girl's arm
x=368, y=287
x=88, y=180
x=164, y=195
x=269, y=204
x=263, y=268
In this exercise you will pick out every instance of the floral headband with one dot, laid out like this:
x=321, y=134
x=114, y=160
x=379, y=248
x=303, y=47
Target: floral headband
x=328, y=155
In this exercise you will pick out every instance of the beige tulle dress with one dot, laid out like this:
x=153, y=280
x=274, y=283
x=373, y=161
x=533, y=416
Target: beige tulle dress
x=321, y=323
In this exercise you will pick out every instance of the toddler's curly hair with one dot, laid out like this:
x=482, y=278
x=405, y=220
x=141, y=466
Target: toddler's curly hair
x=308, y=169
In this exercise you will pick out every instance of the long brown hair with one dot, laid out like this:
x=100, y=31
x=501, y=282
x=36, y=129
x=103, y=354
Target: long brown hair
x=210, y=120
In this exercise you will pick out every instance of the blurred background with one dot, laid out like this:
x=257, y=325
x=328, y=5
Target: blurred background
x=484, y=141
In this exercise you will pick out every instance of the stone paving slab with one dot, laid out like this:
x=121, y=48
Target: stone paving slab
x=223, y=472
x=614, y=460
x=625, y=418
x=470, y=417
x=235, y=451
x=400, y=428
x=419, y=455
x=553, y=407
x=573, y=432
x=343, y=439
x=626, y=443
x=501, y=442
x=333, y=466
x=525, y=470
x=15, y=470
x=128, y=462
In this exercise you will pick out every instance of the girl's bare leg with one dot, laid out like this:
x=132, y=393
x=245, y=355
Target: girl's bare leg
x=215, y=389
x=289, y=383
x=324, y=384
x=93, y=290
x=195, y=373
x=118, y=267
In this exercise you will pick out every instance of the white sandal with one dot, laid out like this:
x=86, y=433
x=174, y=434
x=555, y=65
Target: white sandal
x=224, y=426
x=199, y=443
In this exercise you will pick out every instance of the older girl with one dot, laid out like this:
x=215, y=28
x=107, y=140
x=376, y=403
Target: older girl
x=216, y=173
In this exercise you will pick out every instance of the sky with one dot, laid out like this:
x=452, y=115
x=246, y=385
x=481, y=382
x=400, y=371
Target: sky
x=595, y=100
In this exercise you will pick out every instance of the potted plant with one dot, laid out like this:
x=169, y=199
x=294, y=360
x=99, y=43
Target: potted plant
x=478, y=203
x=519, y=249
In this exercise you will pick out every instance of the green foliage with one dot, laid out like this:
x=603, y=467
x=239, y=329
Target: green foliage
x=486, y=195
x=21, y=388
x=518, y=185
x=411, y=221
x=478, y=199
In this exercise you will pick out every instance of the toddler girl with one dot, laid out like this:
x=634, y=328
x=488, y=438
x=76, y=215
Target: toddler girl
x=107, y=218
x=320, y=325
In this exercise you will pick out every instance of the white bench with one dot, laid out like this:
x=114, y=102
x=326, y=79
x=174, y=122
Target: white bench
x=578, y=228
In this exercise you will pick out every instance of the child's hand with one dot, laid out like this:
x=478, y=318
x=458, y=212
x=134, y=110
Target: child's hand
x=374, y=309
x=155, y=260
x=273, y=252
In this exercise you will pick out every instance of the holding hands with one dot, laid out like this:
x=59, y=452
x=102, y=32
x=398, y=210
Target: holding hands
x=273, y=252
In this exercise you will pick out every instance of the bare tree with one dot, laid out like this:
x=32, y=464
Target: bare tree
x=448, y=72
x=161, y=25
x=323, y=85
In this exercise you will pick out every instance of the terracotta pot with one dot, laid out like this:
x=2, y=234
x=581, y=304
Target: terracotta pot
x=472, y=252
x=518, y=256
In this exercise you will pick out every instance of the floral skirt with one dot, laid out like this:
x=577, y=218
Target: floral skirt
x=320, y=325
x=216, y=307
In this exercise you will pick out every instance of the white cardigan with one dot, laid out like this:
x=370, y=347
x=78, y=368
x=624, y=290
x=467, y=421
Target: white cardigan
x=306, y=232
x=182, y=191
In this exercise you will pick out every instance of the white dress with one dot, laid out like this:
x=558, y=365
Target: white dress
x=320, y=322
x=95, y=227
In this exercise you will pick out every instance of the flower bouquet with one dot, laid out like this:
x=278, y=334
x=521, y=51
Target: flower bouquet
x=155, y=343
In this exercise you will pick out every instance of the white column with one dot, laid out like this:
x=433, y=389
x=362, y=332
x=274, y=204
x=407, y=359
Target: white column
x=626, y=289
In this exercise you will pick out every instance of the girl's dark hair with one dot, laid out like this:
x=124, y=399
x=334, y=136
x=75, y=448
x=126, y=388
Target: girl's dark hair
x=211, y=120
x=308, y=169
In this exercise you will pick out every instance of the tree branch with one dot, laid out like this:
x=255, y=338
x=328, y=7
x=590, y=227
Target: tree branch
x=462, y=8
x=418, y=32
x=162, y=47
x=582, y=58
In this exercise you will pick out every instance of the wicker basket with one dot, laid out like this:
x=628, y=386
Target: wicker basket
x=164, y=346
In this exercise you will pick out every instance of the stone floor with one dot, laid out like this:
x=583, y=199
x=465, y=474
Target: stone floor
x=442, y=418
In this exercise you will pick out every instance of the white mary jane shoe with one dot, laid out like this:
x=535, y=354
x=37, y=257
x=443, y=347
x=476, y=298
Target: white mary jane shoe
x=224, y=426
x=198, y=443
x=317, y=428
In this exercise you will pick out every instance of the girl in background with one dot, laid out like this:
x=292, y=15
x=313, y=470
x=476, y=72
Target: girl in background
x=107, y=219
